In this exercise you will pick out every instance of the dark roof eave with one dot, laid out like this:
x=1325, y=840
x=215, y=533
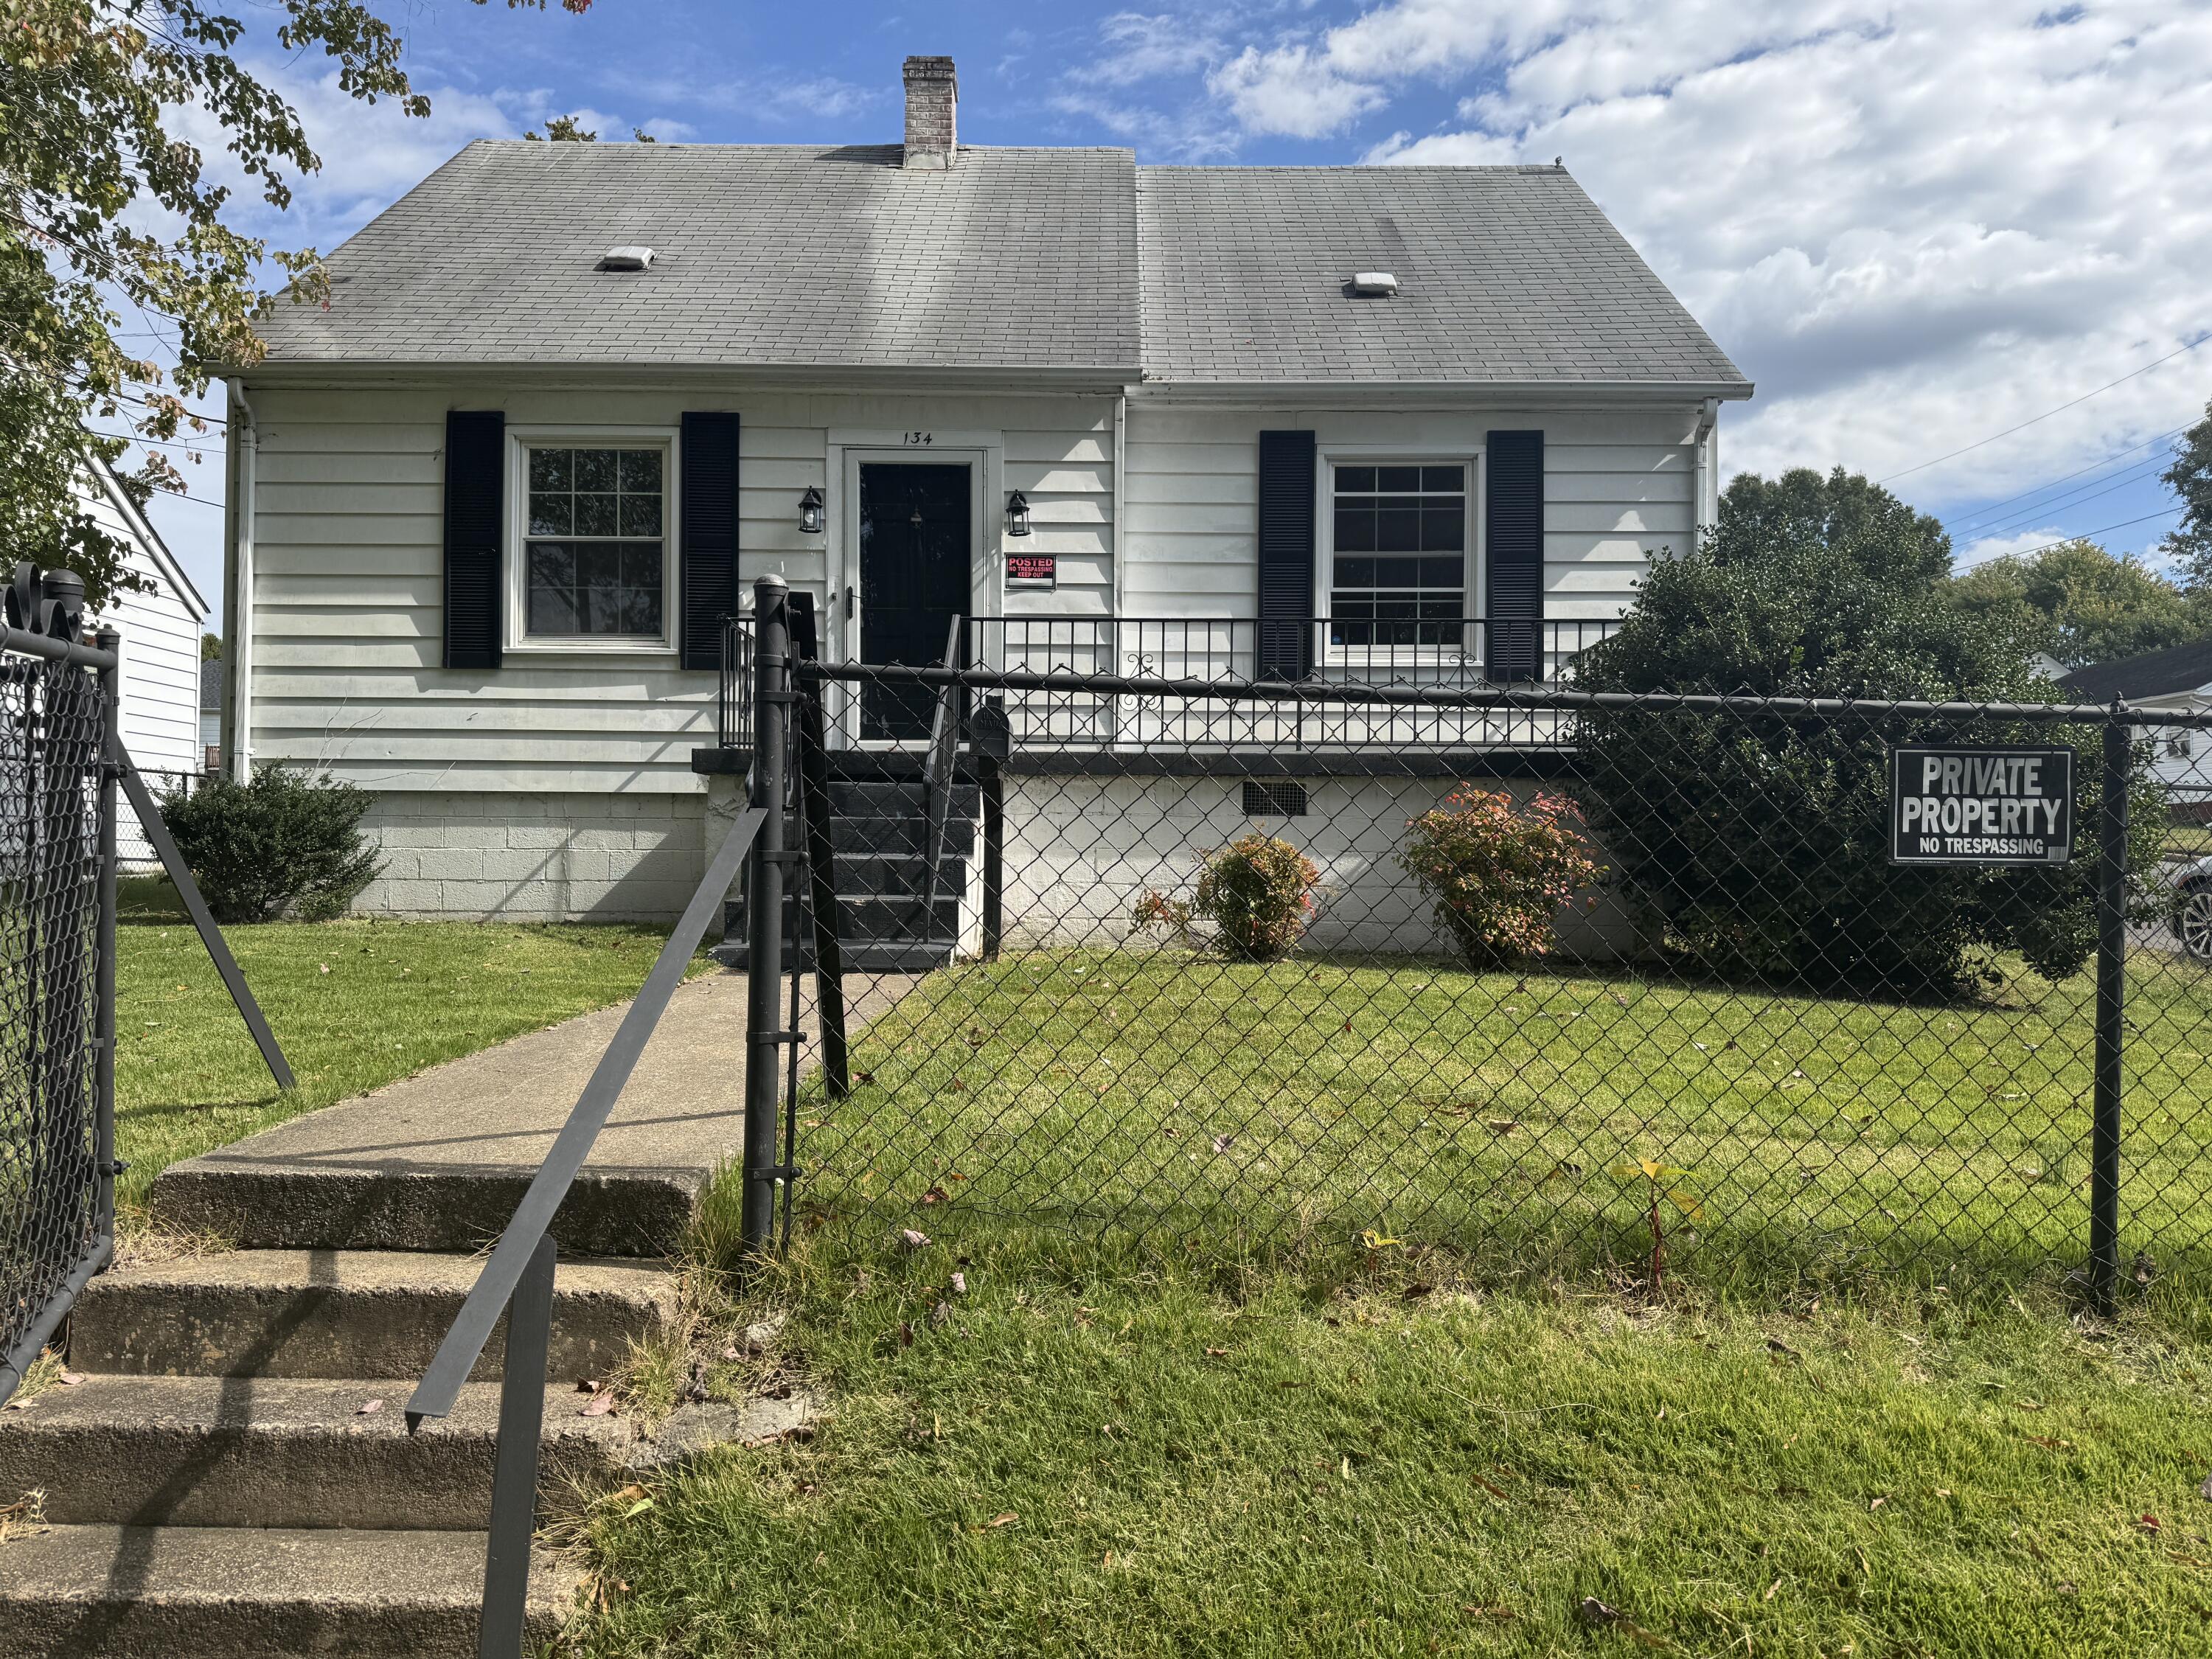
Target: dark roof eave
x=314, y=370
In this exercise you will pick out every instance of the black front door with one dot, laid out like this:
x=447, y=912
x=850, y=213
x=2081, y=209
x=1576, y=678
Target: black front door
x=915, y=538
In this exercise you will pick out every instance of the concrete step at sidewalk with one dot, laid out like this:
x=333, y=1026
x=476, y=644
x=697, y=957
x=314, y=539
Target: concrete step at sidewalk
x=255, y=1592
x=280, y=1202
x=211, y=1452
x=341, y=1314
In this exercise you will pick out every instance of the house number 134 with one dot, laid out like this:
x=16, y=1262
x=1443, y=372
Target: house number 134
x=920, y=440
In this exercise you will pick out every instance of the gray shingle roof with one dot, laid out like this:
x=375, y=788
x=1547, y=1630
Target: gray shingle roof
x=764, y=255
x=1506, y=273
x=799, y=256
x=2153, y=674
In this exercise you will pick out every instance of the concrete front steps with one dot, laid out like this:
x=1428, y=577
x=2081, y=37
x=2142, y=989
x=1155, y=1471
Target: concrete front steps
x=218, y=1485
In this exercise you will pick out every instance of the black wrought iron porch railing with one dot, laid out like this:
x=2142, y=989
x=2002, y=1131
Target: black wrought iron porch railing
x=1373, y=650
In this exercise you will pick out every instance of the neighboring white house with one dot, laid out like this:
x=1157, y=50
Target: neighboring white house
x=2178, y=678
x=492, y=503
x=160, y=628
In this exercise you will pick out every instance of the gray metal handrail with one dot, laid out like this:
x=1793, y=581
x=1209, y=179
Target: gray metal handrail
x=517, y=1277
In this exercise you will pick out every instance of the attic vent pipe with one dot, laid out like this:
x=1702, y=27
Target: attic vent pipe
x=629, y=257
x=1379, y=284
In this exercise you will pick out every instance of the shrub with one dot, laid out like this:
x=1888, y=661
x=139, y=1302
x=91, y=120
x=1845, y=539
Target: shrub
x=284, y=842
x=1498, y=874
x=1756, y=845
x=1259, y=892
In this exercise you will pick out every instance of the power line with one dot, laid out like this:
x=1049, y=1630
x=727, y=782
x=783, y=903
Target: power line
x=2072, y=499
x=1989, y=507
x=2030, y=552
x=2048, y=413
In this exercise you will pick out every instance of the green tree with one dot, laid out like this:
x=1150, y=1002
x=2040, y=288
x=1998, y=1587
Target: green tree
x=1755, y=844
x=2081, y=604
x=107, y=211
x=1801, y=509
x=2190, y=543
x=211, y=648
x=562, y=129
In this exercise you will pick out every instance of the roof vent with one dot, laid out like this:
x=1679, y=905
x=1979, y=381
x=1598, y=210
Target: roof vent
x=629, y=257
x=1374, y=283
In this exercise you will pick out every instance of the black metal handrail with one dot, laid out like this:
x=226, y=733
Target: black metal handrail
x=733, y=702
x=1451, y=652
x=937, y=773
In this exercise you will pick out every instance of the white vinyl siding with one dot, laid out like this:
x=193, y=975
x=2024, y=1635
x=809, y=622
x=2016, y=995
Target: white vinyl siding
x=161, y=713
x=1617, y=487
x=348, y=571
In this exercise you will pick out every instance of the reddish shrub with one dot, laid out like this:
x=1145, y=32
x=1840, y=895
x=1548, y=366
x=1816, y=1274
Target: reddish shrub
x=1498, y=873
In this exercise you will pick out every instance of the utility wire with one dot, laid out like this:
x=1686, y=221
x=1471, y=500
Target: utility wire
x=2068, y=502
x=1989, y=507
x=2048, y=413
x=2030, y=552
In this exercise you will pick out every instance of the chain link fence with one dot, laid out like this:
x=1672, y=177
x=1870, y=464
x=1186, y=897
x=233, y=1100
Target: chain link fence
x=56, y=1079
x=1548, y=975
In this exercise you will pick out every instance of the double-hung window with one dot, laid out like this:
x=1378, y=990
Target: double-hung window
x=594, y=565
x=1399, y=571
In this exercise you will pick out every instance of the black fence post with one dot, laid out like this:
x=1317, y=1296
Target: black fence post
x=103, y=1026
x=2112, y=996
x=764, y=1036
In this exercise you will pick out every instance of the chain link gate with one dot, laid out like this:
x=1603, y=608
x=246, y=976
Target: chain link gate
x=57, y=798
x=1758, y=1048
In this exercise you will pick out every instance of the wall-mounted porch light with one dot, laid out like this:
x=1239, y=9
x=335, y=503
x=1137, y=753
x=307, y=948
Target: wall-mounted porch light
x=1017, y=514
x=810, y=512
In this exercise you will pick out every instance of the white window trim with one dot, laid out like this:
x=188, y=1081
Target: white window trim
x=520, y=440
x=1327, y=458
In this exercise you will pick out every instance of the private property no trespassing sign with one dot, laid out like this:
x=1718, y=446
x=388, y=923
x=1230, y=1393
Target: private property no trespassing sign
x=1981, y=806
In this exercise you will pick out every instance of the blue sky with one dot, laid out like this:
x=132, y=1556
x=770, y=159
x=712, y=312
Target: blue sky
x=1916, y=227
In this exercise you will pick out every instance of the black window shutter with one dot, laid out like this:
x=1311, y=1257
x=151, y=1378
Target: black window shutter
x=476, y=489
x=1513, y=522
x=1286, y=554
x=709, y=465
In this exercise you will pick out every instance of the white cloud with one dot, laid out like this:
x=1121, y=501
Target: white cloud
x=1996, y=547
x=1292, y=90
x=1915, y=227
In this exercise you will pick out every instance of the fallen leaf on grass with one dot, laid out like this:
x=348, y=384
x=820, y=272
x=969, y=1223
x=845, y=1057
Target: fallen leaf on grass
x=2188, y=1561
x=911, y=1240
x=1494, y=1490
x=934, y=1196
x=1771, y=1590
x=940, y=1316
x=1223, y=1143
x=368, y=1408
x=2205, y=1490
x=1008, y=1519
x=1375, y=1241
x=2027, y=1405
x=1503, y=1126
x=905, y=1334
x=2148, y=1524
x=599, y=1404
x=960, y=1284
x=1217, y=1353
x=1596, y=1613
x=1416, y=1290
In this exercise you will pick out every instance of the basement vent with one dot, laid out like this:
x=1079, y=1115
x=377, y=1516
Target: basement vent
x=1376, y=284
x=1274, y=800
x=629, y=257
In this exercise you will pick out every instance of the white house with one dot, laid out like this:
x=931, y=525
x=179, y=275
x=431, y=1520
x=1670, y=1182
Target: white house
x=492, y=504
x=162, y=626
x=2178, y=678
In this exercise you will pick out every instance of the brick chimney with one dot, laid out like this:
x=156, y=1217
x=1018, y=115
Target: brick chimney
x=933, y=97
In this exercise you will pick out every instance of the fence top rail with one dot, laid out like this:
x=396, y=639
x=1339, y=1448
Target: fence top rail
x=1532, y=699
x=39, y=644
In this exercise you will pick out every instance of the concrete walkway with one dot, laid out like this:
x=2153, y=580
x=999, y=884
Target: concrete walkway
x=437, y=1161
x=228, y=1474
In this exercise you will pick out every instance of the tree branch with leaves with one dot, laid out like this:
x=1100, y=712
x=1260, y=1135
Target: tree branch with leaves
x=108, y=210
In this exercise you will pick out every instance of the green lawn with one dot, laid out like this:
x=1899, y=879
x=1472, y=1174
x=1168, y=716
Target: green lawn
x=1199, y=1440
x=1241, y=1105
x=354, y=1004
x=1094, y=1454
